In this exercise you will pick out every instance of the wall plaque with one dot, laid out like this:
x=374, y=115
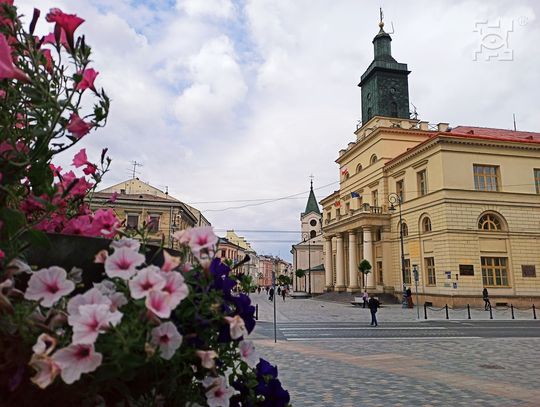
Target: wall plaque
x=466, y=270
x=528, y=270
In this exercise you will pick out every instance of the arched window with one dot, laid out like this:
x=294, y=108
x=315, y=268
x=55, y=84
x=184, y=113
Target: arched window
x=312, y=234
x=373, y=159
x=489, y=221
x=358, y=168
x=404, y=229
x=426, y=224
x=393, y=110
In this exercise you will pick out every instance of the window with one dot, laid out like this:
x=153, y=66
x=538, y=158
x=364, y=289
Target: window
x=313, y=222
x=358, y=168
x=132, y=222
x=537, y=180
x=422, y=182
x=379, y=273
x=393, y=109
x=486, y=177
x=407, y=271
x=312, y=234
x=347, y=207
x=122, y=191
x=404, y=229
x=489, y=222
x=373, y=159
x=375, y=198
x=429, y=265
x=494, y=271
x=400, y=190
x=426, y=225
x=153, y=223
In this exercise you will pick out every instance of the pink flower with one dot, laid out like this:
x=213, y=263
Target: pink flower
x=159, y=303
x=51, y=39
x=48, y=285
x=168, y=339
x=7, y=69
x=236, y=326
x=45, y=344
x=92, y=297
x=90, y=169
x=113, y=198
x=80, y=158
x=105, y=222
x=117, y=300
x=68, y=22
x=132, y=244
x=207, y=358
x=48, y=60
x=88, y=78
x=218, y=391
x=101, y=256
x=46, y=370
x=175, y=287
x=122, y=263
x=248, y=353
x=79, y=226
x=202, y=241
x=2, y=254
x=183, y=236
x=75, y=360
x=92, y=320
x=77, y=126
x=169, y=262
x=147, y=279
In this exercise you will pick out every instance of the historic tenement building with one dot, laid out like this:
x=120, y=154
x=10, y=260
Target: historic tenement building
x=468, y=197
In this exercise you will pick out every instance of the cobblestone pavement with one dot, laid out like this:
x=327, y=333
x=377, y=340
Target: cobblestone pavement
x=398, y=371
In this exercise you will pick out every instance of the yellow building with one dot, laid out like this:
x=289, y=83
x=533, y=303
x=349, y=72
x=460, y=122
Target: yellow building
x=137, y=202
x=468, y=197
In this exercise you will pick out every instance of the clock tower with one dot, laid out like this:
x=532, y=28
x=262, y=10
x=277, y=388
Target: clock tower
x=384, y=85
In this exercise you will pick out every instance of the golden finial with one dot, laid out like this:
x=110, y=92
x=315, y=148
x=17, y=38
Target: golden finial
x=381, y=22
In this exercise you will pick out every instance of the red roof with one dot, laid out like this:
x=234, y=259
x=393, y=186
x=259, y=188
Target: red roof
x=496, y=134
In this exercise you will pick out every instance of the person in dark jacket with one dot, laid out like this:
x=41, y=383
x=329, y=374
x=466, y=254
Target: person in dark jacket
x=487, y=303
x=373, y=305
x=409, y=298
x=271, y=294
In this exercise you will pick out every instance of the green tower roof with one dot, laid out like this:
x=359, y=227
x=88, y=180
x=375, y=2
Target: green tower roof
x=312, y=205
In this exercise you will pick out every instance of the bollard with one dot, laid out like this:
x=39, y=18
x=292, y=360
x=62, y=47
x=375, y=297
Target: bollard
x=446, y=308
x=468, y=312
x=490, y=312
x=425, y=311
x=534, y=312
x=512, y=309
x=256, y=312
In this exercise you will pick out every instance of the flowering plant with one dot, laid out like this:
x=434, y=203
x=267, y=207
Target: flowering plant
x=150, y=328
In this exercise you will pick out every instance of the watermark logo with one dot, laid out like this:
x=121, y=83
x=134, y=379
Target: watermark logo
x=494, y=40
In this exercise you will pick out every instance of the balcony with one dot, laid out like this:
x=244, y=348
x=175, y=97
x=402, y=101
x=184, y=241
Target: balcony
x=365, y=209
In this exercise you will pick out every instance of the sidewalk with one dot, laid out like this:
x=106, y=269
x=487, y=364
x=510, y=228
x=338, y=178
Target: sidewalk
x=311, y=310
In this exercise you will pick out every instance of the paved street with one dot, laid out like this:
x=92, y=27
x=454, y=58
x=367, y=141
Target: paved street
x=328, y=355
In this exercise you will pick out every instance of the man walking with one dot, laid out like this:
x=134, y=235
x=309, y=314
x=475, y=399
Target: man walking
x=373, y=305
x=487, y=303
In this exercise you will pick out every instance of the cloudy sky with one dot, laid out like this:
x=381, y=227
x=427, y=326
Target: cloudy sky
x=234, y=103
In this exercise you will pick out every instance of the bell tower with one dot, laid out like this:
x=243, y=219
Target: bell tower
x=384, y=86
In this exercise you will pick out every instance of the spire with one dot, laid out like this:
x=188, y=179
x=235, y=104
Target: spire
x=381, y=43
x=312, y=205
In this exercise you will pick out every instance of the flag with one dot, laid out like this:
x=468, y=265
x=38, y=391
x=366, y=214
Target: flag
x=337, y=204
x=355, y=195
x=344, y=171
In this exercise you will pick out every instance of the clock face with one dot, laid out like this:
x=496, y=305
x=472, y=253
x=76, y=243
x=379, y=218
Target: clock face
x=392, y=90
x=313, y=222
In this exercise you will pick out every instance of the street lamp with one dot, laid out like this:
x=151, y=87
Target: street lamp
x=394, y=198
x=307, y=236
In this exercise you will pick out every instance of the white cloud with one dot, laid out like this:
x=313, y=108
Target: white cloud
x=211, y=8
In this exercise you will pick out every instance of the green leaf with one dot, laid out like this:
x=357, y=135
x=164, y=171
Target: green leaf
x=13, y=220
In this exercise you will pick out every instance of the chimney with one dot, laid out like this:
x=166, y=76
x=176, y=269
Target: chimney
x=442, y=127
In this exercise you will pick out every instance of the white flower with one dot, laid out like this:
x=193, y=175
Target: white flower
x=207, y=358
x=123, y=263
x=218, y=391
x=48, y=285
x=175, y=287
x=132, y=244
x=168, y=339
x=92, y=296
x=46, y=370
x=75, y=360
x=92, y=320
x=158, y=302
x=45, y=344
x=248, y=353
x=146, y=280
x=236, y=326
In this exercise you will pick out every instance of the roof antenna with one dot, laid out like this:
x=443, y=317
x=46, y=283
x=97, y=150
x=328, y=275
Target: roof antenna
x=513, y=114
x=134, y=170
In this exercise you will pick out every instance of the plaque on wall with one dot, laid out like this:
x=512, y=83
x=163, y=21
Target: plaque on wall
x=466, y=270
x=528, y=270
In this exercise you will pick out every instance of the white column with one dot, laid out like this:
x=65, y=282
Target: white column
x=329, y=279
x=368, y=255
x=386, y=250
x=353, y=267
x=340, y=269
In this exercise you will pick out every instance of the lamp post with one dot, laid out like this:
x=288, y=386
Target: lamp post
x=307, y=237
x=394, y=199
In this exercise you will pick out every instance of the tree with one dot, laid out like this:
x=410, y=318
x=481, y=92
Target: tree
x=365, y=268
x=300, y=273
x=284, y=280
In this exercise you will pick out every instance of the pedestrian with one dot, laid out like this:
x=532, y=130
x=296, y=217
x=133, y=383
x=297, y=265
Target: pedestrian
x=365, y=298
x=487, y=303
x=409, y=298
x=266, y=288
x=279, y=290
x=373, y=305
x=271, y=294
x=259, y=289
x=284, y=293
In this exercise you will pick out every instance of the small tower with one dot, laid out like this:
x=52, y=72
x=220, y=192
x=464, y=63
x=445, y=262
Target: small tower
x=384, y=86
x=311, y=217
